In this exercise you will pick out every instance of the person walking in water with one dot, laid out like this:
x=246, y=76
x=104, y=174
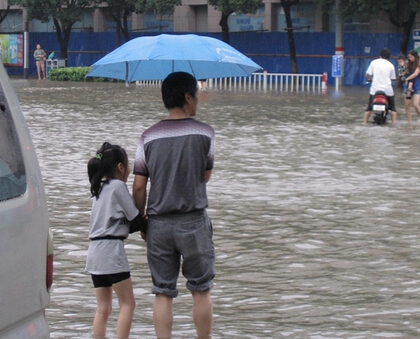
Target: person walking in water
x=40, y=57
x=381, y=73
x=177, y=154
x=113, y=213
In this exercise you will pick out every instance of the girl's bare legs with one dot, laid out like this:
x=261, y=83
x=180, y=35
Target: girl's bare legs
x=416, y=104
x=162, y=316
x=38, y=69
x=202, y=313
x=407, y=103
x=103, y=310
x=43, y=69
x=124, y=291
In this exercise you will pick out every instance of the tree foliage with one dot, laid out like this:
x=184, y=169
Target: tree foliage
x=156, y=6
x=120, y=10
x=401, y=13
x=65, y=13
x=4, y=13
x=227, y=7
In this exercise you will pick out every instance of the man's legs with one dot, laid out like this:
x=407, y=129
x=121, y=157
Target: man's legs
x=391, y=103
x=368, y=109
x=162, y=316
x=367, y=114
x=202, y=313
x=393, y=117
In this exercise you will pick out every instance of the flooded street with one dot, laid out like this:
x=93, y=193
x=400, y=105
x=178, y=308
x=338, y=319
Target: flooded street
x=316, y=217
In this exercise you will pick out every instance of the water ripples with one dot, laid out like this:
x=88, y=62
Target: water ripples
x=315, y=216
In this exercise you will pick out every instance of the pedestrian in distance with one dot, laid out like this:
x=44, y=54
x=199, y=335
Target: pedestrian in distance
x=381, y=74
x=414, y=79
x=177, y=155
x=40, y=58
x=114, y=216
x=402, y=71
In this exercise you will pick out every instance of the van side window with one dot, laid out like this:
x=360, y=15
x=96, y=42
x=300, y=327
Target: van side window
x=12, y=169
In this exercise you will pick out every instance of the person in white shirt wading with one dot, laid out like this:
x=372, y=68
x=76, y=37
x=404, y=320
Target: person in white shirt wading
x=381, y=73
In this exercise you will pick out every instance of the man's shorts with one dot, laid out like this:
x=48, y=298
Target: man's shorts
x=171, y=237
x=107, y=280
x=391, y=103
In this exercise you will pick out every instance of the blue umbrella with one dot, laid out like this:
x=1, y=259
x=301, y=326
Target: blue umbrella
x=154, y=57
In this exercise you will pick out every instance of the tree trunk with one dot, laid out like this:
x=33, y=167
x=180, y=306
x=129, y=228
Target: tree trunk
x=225, y=26
x=118, y=26
x=290, y=36
x=118, y=35
x=4, y=13
x=63, y=37
x=407, y=26
x=125, y=25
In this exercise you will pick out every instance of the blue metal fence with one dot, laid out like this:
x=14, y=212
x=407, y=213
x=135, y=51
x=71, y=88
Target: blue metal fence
x=268, y=49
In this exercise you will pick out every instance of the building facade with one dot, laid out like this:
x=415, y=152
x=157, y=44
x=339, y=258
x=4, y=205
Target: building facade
x=198, y=16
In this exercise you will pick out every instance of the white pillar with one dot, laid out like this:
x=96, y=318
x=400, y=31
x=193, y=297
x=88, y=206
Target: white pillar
x=339, y=41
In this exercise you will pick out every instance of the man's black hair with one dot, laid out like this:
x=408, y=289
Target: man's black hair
x=385, y=53
x=175, y=87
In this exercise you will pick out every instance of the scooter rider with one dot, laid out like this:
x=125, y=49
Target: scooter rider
x=381, y=72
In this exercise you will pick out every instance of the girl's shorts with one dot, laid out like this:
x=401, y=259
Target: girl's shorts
x=107, y=280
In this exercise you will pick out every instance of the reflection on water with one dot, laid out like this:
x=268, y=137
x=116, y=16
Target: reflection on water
x=315, y=215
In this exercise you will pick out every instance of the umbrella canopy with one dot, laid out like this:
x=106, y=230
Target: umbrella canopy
x=154, y=57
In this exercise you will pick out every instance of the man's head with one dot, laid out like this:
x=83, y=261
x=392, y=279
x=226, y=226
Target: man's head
x=175, y=88
x=385, y=53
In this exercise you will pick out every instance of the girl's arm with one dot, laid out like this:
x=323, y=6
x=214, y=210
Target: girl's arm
x=414, y=75
x=139, y=192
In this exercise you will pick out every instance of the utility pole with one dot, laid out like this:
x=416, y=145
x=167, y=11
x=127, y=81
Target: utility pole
x=339, y=41
x=26, y=50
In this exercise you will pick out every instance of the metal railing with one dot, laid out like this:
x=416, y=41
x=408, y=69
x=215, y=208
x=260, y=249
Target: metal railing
x=263, y=82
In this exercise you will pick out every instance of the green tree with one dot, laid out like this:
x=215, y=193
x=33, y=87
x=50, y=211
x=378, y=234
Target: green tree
x=159, y=7
x=65, y=13
x=401, y=13
x=4, y=13
x=227, y=7
x=120, y=10
x=156, y=6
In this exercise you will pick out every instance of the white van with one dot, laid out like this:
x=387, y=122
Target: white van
x=25, y=239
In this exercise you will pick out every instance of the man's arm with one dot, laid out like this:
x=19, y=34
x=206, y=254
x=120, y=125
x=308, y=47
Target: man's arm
x=208, y=175
x=139, y=192
x=369, y=77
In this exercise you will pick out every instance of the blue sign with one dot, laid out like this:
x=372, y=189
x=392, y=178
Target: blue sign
x=337, y=66
x=416, y=34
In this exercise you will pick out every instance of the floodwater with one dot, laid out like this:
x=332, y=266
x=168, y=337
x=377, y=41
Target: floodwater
x=316, y=216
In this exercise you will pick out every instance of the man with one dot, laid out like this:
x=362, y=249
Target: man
x=177, y=154
x=381, y=73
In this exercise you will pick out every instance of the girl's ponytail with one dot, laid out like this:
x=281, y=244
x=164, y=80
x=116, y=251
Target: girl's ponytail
x=95, y=173
x=103, y=165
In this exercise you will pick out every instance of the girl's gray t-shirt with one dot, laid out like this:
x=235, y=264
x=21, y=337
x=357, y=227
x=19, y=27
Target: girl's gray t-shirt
x=111, y=216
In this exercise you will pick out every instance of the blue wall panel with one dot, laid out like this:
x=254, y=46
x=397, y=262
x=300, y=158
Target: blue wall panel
x=268, y=49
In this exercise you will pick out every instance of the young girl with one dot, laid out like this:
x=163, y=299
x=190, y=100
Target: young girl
x=413, y=69
x=113, y=209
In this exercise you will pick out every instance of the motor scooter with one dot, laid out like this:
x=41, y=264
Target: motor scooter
x=380, y=108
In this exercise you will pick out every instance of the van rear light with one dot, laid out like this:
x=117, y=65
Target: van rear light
x=50, y=258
